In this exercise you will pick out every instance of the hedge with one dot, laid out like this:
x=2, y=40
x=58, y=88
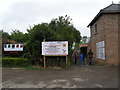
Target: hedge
x=15, y=62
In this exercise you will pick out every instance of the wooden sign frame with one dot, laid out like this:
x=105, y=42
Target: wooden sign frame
x=54, y=55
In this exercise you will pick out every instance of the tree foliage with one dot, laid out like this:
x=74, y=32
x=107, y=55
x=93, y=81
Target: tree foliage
x=5, y=35
x=18, y=36
x=84, y=40
x=59, y=29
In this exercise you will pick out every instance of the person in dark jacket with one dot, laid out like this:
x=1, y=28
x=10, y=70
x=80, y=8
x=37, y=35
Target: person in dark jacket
x=90, y=55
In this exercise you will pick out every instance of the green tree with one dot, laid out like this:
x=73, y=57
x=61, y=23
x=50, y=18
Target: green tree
x=59, y=29
x=84, y=40
x=18, y=36
x=65, y=30
x=5, y=35
x=4, y=38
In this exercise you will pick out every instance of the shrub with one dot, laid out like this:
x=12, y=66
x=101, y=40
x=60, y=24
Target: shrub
x=15, y=62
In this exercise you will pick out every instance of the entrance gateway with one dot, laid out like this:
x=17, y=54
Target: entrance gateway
x=83, y=49
x=54, y=48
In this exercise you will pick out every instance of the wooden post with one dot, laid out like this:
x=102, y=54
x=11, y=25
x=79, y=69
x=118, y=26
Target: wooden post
x=44, y=62
x=66, y=60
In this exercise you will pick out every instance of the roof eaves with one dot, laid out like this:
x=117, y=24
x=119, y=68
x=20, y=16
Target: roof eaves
x=95, y=18
x=103, y=11
x=107, y=6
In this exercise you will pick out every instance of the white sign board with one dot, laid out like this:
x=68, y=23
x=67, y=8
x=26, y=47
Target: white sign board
x=100, y=50
x=55, y=48
x=13, y=47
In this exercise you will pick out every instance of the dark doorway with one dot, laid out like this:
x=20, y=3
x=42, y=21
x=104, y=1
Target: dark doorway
x=84, y=51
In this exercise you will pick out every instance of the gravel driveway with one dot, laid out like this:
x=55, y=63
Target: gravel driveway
x=76, y=77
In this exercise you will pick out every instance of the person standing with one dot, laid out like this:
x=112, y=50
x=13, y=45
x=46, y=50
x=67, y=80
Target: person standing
x=81, y=59
x=90, y=55
x=75, y=57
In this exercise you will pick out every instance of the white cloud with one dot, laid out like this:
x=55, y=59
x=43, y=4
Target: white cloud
x=19, y=14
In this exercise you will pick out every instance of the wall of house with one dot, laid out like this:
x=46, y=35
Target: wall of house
x=119, y=39
x=0, y=47
x=99, y=36
x=107, y=30
x=111, y=37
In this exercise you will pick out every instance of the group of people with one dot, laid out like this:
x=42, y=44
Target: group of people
x=82, y=59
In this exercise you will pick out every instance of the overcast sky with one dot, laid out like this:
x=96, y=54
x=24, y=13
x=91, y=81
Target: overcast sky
x=19, y=14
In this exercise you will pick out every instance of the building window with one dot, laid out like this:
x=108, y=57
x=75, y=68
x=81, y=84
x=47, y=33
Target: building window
x=13, y=46
x=9, y=46
x=5, y=46
x=21, y=46
x=17, y=46
x=95, y=29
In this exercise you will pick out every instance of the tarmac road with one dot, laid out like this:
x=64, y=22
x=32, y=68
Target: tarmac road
x=76, y=77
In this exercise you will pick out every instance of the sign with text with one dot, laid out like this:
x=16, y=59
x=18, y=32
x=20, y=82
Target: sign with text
x=100, y=50
x=55, y=48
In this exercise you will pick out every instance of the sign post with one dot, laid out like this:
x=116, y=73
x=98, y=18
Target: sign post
x=66, y=60
x=55, y=48
x=44, y=62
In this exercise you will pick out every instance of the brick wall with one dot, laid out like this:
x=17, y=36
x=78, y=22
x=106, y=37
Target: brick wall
x=119, y=37
x=107, y=30
x=111, y=38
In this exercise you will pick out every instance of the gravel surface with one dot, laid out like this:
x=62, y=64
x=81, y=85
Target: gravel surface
x=76, y=77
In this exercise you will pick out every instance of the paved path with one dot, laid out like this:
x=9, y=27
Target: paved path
x=76, y=77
